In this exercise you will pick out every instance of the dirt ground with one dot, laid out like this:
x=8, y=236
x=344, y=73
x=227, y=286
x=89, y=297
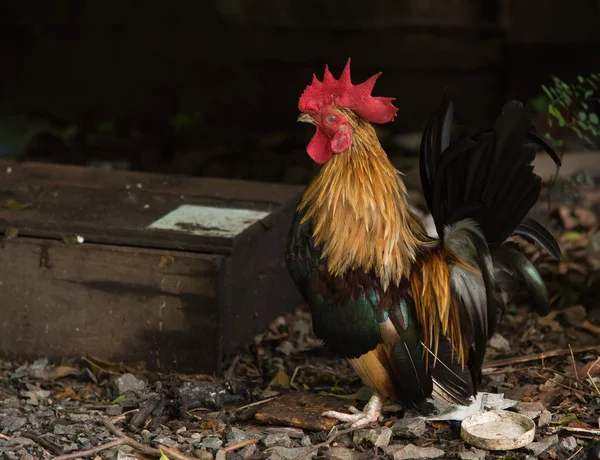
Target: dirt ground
x=268, y=404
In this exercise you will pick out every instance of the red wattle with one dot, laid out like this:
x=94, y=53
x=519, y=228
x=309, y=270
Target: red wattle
x=319, y=147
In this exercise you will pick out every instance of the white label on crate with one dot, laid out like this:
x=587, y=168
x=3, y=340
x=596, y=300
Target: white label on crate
x=208, y=220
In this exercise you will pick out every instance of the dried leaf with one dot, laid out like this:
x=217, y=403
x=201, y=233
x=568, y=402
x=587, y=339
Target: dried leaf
x=59, y=372
x=101, y=366
x=213, y=425
x=166, y=261
x=11, y=233
x=574, y=315
x=579, y=424
x=549, y=322
x=281, y=380
x=585, y=324
x=593, y=368
x=568, y=221
x=586, y=217
x=439, y=424
x=13, y=205
x=67, y=393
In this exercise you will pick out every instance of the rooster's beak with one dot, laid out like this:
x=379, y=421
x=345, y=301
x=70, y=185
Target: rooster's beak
x=307, y=118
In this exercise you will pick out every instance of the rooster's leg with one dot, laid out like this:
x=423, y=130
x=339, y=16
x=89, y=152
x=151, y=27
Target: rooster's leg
x=369, y=414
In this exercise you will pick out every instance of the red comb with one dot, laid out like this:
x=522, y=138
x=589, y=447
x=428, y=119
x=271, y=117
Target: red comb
x=344, y=94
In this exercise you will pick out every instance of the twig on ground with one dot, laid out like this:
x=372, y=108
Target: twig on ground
x=327, y=443
x=121, y=417
x=574, y=364
x=589, y=374
x=239, y=445
x=546, y=354
x=563, y=385
x=123, y=439
x=172, y=452
x=507, y=371
x=575, y=454
x=99, y=367
x=43, y=443
x=95, y=450
x=577, y=431
x=256, y=403
x=566, y=377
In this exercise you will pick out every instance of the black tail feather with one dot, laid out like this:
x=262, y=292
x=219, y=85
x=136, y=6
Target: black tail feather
x=533, y=231
x=449, y=375
x=529, y=276
x=488, y=177
x=413, y=382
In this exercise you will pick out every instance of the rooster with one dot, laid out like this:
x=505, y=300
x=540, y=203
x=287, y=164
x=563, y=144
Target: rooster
x=412, y=314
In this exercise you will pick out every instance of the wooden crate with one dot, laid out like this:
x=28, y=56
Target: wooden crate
x=175, y=271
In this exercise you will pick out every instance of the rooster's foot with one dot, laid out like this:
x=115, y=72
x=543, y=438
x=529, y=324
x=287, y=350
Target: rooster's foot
x=357, y=418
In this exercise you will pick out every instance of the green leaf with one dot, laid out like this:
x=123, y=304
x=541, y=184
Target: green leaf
x=580, y=79
x=336, y=388
x=552, y=110
x=565, y=420
x=106, y=127
x=118, y=399
x=547, y=92
x=163, y=456
x=582, y=124
x=572, y=236
x=13, y=205
x=582, y=115
x=560, y=102
x=281, y=380
x=594, y=118
x=588, y=93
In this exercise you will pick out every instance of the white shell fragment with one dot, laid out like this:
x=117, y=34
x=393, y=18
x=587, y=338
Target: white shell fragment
x=481, y=403
x=498, y=430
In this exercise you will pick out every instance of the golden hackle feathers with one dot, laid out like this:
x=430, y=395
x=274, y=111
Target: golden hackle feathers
x=374, y=369
x=436, y=308
x=358, y=207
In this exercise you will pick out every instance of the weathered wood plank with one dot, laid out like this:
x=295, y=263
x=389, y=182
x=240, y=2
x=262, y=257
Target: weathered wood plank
x=258, y=280
x=45, y=175
x=302, y=410
x=122, y=304
x=121, y=207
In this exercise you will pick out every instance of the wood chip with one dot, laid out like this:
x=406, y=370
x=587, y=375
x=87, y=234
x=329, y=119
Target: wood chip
x=302, y=410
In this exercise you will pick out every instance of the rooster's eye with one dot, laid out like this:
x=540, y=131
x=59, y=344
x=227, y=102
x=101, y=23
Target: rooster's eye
x=331, y=119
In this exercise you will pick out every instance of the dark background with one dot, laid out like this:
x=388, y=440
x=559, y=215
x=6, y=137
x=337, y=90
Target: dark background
x=211, y=87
